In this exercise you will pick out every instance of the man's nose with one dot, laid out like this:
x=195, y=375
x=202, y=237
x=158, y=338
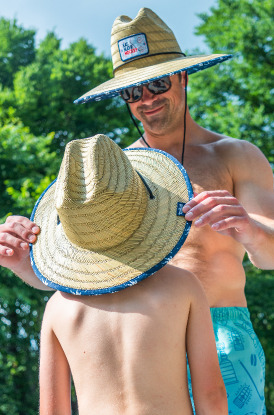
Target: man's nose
x=147, y=95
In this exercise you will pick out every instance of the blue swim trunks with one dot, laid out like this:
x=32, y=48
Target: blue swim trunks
x=241, y=359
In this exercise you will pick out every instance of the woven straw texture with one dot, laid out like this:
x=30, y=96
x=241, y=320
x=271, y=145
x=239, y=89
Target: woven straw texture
x=110, y=231
x=159, y=36
x=164, y=56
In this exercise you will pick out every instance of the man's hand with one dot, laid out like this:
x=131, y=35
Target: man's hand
x=15, y=235
x=223, y=213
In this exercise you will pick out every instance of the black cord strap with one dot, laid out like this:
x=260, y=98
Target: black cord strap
x=135, y=123
x=184, y=140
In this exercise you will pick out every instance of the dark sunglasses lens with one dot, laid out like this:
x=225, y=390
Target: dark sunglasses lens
x=159, y=86
x=137, y=93
x=132, y=94
x=126, y=94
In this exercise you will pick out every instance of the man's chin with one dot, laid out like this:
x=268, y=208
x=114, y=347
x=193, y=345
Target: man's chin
x=156, y=123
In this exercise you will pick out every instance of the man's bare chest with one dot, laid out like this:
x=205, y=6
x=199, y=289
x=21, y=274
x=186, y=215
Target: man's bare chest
x=206, y=172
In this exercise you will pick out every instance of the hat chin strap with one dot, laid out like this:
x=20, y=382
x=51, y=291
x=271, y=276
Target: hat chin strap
x=136, y=125
x=184, y=139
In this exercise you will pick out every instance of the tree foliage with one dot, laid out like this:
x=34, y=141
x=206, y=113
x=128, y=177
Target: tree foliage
x=236, y=98
x=37, y=118
x=17, y=49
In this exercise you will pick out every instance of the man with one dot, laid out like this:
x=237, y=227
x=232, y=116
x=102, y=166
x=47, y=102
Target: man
x=126, y=350
x=232, y=210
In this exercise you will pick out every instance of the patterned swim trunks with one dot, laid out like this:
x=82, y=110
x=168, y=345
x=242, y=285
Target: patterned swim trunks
x=241, y=359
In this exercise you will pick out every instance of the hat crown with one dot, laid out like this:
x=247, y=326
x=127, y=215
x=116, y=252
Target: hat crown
x=99, y=197
x=120, y=216
x=159, y=40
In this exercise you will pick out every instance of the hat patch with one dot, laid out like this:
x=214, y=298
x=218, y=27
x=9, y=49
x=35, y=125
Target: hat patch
x=133, y=46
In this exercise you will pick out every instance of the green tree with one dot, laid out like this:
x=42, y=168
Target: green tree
x=17, y=49
x=26, y=166
x=45, y=90
x=236, y=99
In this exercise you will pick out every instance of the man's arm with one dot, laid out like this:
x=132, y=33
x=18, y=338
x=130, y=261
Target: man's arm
x=54, y=377
x=248, y=215
x=15, y=235
x=208, y=388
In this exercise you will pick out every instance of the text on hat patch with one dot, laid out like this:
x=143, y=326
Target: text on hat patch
x=133, y=46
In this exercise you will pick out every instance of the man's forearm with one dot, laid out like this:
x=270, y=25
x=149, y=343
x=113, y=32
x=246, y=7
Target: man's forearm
x=261, y=249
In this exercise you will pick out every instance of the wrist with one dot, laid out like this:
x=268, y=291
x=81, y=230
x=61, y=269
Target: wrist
x=260, y=247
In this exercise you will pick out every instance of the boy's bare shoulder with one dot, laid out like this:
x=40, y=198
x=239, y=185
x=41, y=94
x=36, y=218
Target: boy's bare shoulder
x=63, y=310
x=52, y=307
x=54, y=300
x=59, y=304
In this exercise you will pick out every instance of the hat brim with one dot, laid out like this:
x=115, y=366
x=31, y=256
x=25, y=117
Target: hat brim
x=65, y=267
x=111, y=88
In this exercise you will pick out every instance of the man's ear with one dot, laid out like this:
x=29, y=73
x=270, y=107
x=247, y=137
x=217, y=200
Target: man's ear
x=184, y=79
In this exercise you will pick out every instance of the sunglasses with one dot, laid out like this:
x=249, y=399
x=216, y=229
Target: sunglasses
x=157, y=87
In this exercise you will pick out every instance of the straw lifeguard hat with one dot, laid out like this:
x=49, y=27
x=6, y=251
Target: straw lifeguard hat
x=145, y=49
x=110, y=219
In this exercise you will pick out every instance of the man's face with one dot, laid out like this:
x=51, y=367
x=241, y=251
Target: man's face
x=161, y=114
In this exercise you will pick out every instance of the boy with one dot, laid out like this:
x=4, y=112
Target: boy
x=126, y=351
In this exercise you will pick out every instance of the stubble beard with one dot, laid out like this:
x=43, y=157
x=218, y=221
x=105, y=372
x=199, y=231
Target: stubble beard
x=159, y=124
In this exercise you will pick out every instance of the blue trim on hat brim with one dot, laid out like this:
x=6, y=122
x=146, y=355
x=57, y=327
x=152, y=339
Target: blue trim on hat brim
x=189, y=69
x=140, y=277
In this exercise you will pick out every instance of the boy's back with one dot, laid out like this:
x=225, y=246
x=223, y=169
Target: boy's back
x=127, y=350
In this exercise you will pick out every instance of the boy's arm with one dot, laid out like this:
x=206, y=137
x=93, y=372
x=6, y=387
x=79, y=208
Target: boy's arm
x=207, y=384
x=54, y=378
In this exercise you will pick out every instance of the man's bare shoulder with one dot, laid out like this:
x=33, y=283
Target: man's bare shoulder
x=243, y=158
x=229, y=145
x=181, y=279
x=236, y=153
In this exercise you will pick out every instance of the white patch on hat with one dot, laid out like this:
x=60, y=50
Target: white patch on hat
x=133, y=46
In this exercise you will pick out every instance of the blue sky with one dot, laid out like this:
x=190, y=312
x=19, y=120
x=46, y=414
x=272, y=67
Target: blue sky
x=92, y=20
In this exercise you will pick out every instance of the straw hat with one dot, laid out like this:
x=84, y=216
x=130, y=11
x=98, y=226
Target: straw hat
x=111, y=218
x=145, y=49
